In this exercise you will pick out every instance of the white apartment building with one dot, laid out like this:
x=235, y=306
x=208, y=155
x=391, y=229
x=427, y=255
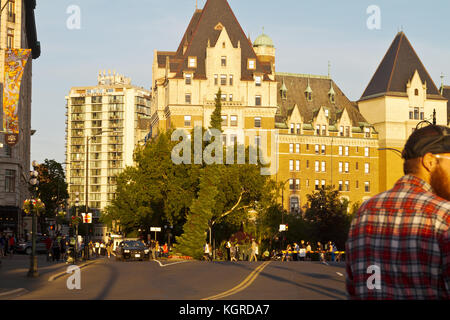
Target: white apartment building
x=104, y=122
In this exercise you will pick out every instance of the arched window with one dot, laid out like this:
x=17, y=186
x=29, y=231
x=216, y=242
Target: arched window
x=416, y=92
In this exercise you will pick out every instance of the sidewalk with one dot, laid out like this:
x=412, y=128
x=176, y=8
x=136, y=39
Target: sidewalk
x=13, y=274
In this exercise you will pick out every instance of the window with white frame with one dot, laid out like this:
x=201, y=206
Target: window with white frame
x=188, y=78
x=291, y=184
x=187, y=98
x=346, y=167
x=340, y=185
x=223, y=61
x=316, y=182
x=192, y=62
x=231, y=80
x=297, y=165
x=291, y=165
x=346, y=151
x=324, y=166
x=317, y=166
x=257, y=100
x=216, y=79
x=318, y=130
x=224, y=121
x=340, y=167
x=258, y=81
x=233, y=121
x=297, y=184
x=323, y=184
x=231, y=97
x=297, y=147
x=298, y=128
x=323, y=149
x=251, y=64
x=324, y=130
x=366, y=186
x=366, y=151
x=292, y=128
x=257, y=122
x=366, y=168
x=223, y=79
x=317, y=149
x=347, y=185
x=187, y=121
x=340, y=150
x=291, y=148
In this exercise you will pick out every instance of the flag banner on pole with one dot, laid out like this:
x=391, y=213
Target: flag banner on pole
x=15, y=62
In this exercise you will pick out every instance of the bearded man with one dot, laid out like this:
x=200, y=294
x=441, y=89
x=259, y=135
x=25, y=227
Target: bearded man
x=398, y=245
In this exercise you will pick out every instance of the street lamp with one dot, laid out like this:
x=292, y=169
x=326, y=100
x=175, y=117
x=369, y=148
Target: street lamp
x=77, y=203
x=33, y=272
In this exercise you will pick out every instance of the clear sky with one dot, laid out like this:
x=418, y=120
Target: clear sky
x=121, y=35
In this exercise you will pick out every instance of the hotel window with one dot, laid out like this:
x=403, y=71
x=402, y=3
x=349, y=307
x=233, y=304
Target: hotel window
x=411, y=114
x=187, y=98
x=366, y=151
x=367, y=132
x=416, y=113
x=298, y=128
x=317, y=164
x=233, y=121
x=224, y=97
x=324, y=149
x=291, y=148
x=187, y=121
x=367, y=186
x=341, y=131
x=258, y=81
x=258, y=141
x=192, y=62
x=316, y=182
x=324, y=130
x=231, y=80
x=224, y=121
x=231, y=97
x=323, y=184
x=223, y=79
x=307, y=147
x=297, y=165
x=294, y=205
x=356, y=166
x=340, y=150
x=347, y=131
x=346, y=167
x=216, y=79
x=318, y=130
x=291, y=184
x=366, y=168
x=346, y=151
x=188, y=79
x=292, y=128
x=251, y=64
x=291, y=165
x=10, y=180
x=257, y=100
x=340, y=167
x=307, y=164
x=324, y=166
x=357, y=184
x=11, y=11
x=340, y=185
x=421, y=115
x=297, y=148
x=317, y=149
x=10, y=39
x=257, y=122
x=223, y=61
x=347, y=186
x=297, y=184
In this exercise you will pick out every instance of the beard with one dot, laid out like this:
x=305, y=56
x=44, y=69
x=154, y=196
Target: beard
x=440, y=182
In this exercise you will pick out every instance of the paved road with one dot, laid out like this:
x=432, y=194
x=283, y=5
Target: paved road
x=195, y=280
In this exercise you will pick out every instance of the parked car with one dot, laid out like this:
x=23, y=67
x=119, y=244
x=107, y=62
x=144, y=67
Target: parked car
x=132, y=250
x=26, y=246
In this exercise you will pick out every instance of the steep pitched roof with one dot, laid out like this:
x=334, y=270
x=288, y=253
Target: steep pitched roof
x=396, y=69
x=296, y=85
x=203, y=28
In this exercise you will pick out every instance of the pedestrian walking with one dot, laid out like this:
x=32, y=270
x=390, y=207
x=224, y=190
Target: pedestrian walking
x=56, y=250
x=102, y=249
x=109, y=248
x=157, y=248
x=254, y=251
x=207, y=252
x=48, y=246
x=97, y=249
x=233, y=252
x=321, y=252
x=12, y=245
x=228, y=249
x=165, y=250
x=403, y=234
x=308, y=251
x=62, y=245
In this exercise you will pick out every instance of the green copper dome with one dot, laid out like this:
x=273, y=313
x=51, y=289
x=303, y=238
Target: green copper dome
x=263, y=40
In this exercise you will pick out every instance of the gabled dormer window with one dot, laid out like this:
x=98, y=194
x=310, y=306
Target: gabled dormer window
x=308, y=96
x=192, y=62
x=251, y=64
x=258, y=81
x=223, y=61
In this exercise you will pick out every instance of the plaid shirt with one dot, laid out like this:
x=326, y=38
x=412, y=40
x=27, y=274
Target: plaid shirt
x=405, y=232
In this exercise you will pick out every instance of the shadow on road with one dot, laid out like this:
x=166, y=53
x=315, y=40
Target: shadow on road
x=111, y=281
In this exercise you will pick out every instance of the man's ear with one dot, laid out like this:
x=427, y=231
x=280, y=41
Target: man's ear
x=429, y=162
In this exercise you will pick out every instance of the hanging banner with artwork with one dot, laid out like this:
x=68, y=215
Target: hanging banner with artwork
x=15, y=62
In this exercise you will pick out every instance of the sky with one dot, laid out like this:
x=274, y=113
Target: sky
x=122, y=35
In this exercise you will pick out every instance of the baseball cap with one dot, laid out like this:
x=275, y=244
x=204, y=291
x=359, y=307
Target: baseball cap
x=430, y=139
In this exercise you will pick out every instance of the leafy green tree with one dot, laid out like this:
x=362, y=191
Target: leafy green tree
x=195, y=229
x=52, y=189
x=216, y=117
x=328, y=216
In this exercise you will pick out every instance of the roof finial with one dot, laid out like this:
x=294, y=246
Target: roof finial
x=329, y=69
x=196, y=4
x=442, y=83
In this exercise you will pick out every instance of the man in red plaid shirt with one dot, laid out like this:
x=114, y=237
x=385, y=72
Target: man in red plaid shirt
x=398, y=245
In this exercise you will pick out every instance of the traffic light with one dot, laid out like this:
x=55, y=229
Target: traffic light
x=52, y=227
x=287, y=227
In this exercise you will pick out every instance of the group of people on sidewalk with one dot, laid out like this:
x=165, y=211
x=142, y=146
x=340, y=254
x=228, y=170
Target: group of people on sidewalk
x=158, y=250
x=304, y=251
x=7, y=245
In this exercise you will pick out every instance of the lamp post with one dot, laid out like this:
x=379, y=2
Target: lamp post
x=33, y=272
x=77, y=203
x=282, y=211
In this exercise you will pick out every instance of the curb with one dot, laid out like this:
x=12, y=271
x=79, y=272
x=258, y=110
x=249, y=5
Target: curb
x=13, y=293
x=61, y=274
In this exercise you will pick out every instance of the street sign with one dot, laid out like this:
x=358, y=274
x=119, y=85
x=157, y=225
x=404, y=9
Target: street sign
x=87, y=217
x=155, y=229
x=282, y=227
